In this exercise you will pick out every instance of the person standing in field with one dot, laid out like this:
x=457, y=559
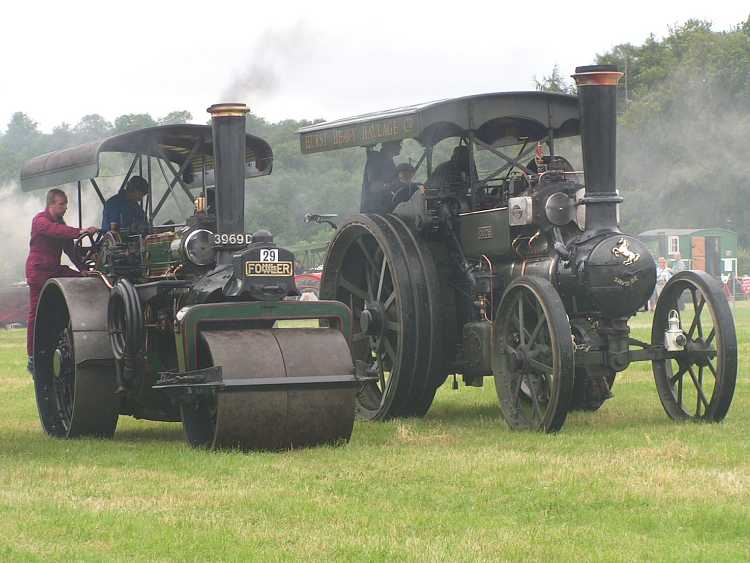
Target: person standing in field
x=678, y=265
x=50, y=237
x=663, y=273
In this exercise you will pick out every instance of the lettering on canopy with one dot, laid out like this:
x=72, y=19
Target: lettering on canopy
x=360, y=134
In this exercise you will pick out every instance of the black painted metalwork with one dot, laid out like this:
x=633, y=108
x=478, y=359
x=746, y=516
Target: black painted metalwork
x=469, y=256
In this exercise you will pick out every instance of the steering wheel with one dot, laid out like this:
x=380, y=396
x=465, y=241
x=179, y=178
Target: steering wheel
x=86, y=253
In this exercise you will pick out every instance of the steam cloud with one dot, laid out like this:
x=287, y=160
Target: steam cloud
x=16, y=212
x=274, y=56
x=17, y=209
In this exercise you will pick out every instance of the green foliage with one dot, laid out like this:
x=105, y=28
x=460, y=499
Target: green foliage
x=133, y=121
x=555, y=82
x=684, y=129
x=175, y=117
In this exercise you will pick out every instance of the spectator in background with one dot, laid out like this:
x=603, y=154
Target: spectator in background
x=678, y=264
x=663, y=273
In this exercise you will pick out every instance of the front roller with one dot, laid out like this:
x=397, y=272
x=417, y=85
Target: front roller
x=282, y=388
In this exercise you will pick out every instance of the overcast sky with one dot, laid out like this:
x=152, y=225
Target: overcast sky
x=64, y=59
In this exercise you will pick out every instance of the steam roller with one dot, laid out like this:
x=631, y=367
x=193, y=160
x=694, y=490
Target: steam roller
x=192, y=322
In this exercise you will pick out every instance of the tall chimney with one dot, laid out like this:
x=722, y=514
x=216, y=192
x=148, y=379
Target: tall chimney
x=597, y=102
x=228, y=128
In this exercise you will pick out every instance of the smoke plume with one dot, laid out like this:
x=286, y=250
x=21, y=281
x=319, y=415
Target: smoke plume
x=275, y=56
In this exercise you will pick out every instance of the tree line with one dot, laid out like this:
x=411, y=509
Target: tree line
x=682, y=147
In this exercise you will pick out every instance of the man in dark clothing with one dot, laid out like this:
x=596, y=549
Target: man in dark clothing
x=380, y=174
x=50, y=236
x=124, y=208
x=404, y=188
x=453, y=174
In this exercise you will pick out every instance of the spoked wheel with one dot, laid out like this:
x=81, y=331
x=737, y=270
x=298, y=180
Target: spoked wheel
x=534, y=358
x=698, y=384
x=73, y=400
x=375, y=266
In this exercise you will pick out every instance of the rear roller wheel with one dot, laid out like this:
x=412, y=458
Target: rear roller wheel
x=699, y=383
x=272, y=419
x=72, y=400
x=533, y=360
x=376, y=267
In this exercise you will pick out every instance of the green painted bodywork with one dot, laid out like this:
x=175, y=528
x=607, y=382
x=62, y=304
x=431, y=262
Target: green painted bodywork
x=191, y=320
x=485, y=233
x=159, y=258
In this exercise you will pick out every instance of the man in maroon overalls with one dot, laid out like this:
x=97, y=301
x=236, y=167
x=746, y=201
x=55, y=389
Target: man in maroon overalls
x=50, y=236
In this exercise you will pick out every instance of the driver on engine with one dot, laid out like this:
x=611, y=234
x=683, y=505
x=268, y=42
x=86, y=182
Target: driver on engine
x=124, y=208
x=50, y=236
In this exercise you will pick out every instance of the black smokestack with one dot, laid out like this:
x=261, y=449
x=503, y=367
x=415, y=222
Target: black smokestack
x=228, y=126
x=597, y=102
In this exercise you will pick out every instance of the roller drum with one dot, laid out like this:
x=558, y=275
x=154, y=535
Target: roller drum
x=273, y=419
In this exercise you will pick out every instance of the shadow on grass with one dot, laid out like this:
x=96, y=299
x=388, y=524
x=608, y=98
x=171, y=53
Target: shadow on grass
x=161, y=433
x=455, y=412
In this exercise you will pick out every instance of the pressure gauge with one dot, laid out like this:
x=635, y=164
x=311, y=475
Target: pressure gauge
x=199, y=247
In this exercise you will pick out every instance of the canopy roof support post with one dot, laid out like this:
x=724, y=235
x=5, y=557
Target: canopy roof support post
x=551, y=142
x=80, y=209
x=473, y=175
x=150, y=200
x=140, y=173
x=183, y=166
x=169, y=191
x=176, y=179
x=96, y=188
x=419, y=162
x=130, y=171
x=428, y=154
x=511, y=162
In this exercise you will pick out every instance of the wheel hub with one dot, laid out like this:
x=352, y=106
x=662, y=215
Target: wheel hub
x=698, y=353
x=371, y=319
x=518, y=359
x=57, y=362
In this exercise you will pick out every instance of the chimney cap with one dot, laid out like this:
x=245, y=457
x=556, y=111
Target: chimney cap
x=596, y=68
x=597, y=75
x=228, y=109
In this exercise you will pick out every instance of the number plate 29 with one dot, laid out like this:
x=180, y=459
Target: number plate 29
x=269, y=254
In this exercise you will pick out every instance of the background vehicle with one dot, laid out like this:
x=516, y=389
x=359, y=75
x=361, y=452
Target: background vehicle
x=518, y=271
x=178, y=321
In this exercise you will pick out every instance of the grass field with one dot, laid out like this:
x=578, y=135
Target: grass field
x=621, y=484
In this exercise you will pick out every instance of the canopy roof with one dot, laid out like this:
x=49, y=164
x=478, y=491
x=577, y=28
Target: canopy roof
x=171, y=142
x=498, y=119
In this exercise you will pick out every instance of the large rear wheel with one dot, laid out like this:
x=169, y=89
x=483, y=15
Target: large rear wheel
x=377, y=267
x=533, y=358
x=74, y=398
